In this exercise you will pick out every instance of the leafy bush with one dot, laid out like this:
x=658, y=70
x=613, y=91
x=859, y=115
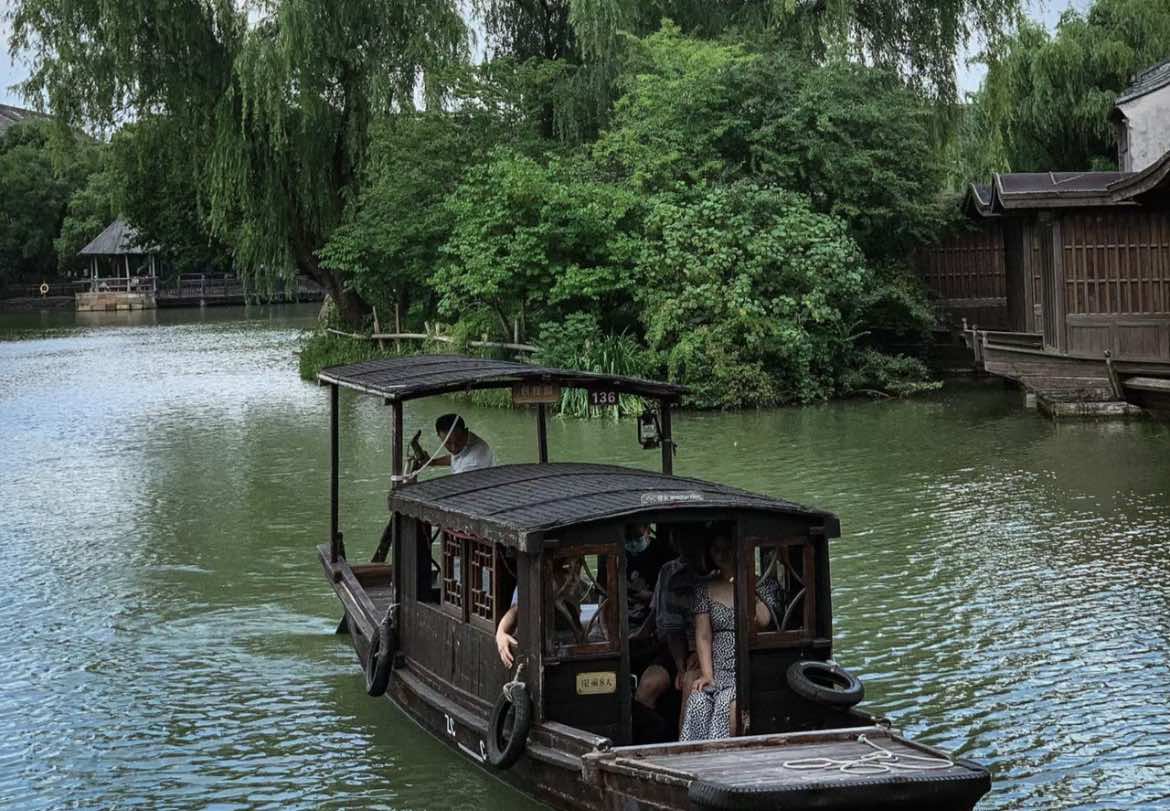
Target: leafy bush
x=529, y=240
x=751, y=296
x=878, y=374
x=320, y=349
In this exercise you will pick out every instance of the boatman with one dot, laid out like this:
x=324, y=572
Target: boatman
x=465, y=450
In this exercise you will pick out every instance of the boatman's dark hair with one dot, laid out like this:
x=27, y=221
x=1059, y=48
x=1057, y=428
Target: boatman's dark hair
x=444, y=423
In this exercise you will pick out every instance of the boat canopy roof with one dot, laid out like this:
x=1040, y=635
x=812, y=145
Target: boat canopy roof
x=406, y=378
x=508, y=503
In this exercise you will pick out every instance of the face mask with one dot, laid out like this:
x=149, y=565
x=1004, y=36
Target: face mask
x=636, y=546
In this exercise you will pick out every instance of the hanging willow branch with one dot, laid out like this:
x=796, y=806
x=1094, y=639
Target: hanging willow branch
x=273, y=99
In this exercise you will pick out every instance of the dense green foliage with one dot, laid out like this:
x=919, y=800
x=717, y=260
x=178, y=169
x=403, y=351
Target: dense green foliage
x=723, y=193
x=737, y=226
x=41, y=169
x=751, y=295
x=1045, y=103
x=154, y=177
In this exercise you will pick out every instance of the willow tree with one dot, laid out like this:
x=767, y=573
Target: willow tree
x=1046, y=100
x=271, y=99
x=581, y=43
x=921, y=40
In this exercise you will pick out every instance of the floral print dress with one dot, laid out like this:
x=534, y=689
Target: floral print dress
x=708, y=713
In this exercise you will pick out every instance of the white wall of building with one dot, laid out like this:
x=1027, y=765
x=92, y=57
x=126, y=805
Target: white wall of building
x=1147, y=123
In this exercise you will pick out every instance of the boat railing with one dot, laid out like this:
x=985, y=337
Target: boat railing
x=1025, y=340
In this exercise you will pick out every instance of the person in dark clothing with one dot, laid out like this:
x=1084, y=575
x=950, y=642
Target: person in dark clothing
x=645, y=557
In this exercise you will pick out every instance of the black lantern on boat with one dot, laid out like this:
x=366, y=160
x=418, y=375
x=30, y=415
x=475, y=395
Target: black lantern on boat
x=649, y=431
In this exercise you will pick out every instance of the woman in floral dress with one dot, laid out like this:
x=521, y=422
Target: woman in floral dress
x=710, y=710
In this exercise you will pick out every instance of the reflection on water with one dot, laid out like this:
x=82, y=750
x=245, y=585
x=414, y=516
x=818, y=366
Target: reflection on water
x=1003, y=583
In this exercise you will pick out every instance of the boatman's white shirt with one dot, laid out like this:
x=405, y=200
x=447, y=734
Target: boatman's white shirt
x=475, y=454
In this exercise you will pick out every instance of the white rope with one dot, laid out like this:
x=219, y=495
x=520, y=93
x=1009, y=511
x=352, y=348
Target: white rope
x=414, y=474
x=881, y=761
x=515, y=682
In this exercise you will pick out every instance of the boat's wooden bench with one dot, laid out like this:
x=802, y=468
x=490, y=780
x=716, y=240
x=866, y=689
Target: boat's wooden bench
x=764, y=772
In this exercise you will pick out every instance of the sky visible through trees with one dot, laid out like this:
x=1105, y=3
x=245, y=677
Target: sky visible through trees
x=1048, y=11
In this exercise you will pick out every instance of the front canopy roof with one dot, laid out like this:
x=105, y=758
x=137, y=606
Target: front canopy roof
x=511, y=502
x=406, y=378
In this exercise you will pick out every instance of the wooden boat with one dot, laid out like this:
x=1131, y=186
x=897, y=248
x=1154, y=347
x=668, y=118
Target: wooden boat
x=1151, y=393
x=562, y=724
x=1072, y=377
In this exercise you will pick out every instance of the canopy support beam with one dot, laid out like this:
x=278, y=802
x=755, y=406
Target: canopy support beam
x=334, y=473
x=542, y=432
x=667, y=441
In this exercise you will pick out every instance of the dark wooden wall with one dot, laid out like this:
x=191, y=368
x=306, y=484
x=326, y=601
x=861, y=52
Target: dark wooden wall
x=1113, y=281
x=456, y=651
x=966, y=275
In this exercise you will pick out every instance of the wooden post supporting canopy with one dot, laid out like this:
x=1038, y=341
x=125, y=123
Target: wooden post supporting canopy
x=542, y=432
x=333, y=472
x=396, y=446
x=745, y=611
x=667, y=441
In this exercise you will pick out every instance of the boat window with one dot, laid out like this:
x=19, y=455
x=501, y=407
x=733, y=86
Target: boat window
x=453, y=572
x=785, y=583
x=482, y=577
x=581, y=606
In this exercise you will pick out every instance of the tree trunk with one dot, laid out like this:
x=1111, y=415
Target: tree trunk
x=351, y=307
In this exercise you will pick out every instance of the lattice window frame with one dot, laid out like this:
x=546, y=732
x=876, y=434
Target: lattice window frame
x=454, y=575
x=800, y=594
x=481, y=557
x=610, y=604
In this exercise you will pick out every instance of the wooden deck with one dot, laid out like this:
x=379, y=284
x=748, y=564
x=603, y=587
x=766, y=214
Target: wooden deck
x=787, y=770
x=764, y=766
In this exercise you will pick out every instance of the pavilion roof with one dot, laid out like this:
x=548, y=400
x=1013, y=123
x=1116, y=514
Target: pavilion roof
x=118, y=239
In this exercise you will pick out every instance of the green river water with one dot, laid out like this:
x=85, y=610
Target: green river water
x=166, y=636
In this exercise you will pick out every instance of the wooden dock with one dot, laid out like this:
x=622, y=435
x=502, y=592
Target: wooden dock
x=145, y=293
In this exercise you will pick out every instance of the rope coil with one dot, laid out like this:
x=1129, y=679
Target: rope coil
x=514, y=683
x=880, y=761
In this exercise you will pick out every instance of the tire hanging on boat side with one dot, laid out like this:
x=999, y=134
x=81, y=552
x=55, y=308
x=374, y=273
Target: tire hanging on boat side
x=825, y=683
x=380, y=657
x=509, y=725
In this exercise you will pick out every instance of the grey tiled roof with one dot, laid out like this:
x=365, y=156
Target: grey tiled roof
x=510, y=500
x=1150, y=79
x=119, y=239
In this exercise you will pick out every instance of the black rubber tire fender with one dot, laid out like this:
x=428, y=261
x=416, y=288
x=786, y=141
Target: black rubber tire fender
x=379, y=659
x=825, y=683
x=505, y=746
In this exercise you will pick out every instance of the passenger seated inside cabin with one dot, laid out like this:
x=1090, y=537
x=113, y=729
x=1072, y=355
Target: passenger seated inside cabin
x=465, y=450
x=645, y=557
x=580, y=609
x=673, y=667
x=710, y=710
